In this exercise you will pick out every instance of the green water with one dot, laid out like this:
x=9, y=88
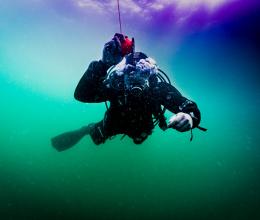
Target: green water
x=167, y=177
x=216, y=176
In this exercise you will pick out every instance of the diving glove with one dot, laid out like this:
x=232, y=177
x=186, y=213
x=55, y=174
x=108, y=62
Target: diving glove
x=112, y=52
x=181, y=122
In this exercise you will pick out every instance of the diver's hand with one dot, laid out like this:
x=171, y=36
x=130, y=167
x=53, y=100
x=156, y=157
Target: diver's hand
x=112, y=52
x=181, y=122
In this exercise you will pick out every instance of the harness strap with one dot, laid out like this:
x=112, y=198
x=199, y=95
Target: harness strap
x=119, y=16
x=202, y=129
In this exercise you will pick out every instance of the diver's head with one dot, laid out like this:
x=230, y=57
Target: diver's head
x=135, y=57
x=134, y=75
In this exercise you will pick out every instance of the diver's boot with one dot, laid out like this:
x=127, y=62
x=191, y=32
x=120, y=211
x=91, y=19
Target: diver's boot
x=69, y=139
x=86, y=129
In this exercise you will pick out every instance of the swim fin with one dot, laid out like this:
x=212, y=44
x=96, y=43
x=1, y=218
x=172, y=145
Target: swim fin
x=67, y=140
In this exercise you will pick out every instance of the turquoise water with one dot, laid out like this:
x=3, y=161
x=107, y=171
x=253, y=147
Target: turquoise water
x=167, y=177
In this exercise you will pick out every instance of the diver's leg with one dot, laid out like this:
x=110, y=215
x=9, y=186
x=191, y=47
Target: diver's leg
x=98, y=133
x=106, y=128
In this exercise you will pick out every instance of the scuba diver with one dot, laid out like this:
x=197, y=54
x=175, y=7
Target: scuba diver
x=138, y=92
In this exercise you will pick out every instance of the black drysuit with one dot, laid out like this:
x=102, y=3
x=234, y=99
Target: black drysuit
x=130, y=115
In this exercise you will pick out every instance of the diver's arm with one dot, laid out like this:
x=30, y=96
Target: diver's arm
x=90, y=87
x=173, y=100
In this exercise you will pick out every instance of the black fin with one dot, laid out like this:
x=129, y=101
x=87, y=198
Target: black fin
x=69, y=139
x=202, y=129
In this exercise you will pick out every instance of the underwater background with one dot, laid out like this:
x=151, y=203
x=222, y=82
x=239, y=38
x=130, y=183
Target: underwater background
x=210, y=50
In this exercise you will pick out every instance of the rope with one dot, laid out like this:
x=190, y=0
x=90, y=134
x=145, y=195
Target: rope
x=119, y=16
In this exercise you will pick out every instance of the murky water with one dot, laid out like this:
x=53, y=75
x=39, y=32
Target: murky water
x=216, y=176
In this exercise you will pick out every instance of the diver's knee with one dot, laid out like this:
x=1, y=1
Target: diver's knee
x=97, y=133
x=140, y=139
